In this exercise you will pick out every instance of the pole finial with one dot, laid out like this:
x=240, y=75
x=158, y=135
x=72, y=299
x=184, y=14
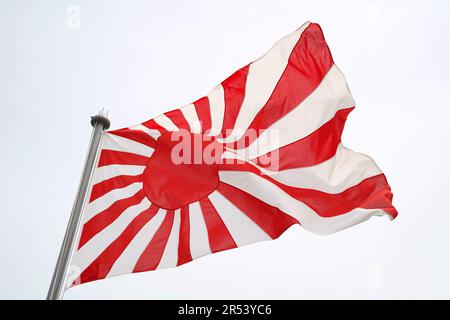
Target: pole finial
x=101, y=118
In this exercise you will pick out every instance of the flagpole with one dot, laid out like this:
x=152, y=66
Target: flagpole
x=99, y=123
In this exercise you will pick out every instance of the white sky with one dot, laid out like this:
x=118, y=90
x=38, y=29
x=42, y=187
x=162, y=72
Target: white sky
x=138, y=59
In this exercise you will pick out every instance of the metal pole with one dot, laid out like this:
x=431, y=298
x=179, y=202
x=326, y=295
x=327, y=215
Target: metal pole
x=99, y=123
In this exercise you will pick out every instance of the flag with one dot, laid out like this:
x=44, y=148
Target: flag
x=260, y=153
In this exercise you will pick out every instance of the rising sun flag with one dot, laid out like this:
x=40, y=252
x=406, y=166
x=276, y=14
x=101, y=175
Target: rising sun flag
x=260, y=153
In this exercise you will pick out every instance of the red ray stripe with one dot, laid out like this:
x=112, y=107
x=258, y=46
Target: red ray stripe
x=371, y=193
x=313, y=149
x=178, y=119
x=103, y=219
x=101, y=266
x=152, y=254
x=184, y=249
x=219, y=237
x=151, y=124
x=234, y=92
x=109, y=157
x=239, y=165
x=202, y=108
x=382, y=198
x=108, y=185
x=136, y=135
x=271, y=219
x=308, y=64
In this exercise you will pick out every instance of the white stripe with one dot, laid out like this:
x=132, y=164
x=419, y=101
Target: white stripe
x=130, y=256
x=330, y=96
x=105, y=201
x=217, y=109
x=170, y=255
x=114, y=170
x=151, y=132
x=342, y=171
x=113, y=142
x=190, y=114
x=198, y=242
x=243, y=230
x=346, y=169
x=94, y=247
x=262, y=78
x=166, y=123
x=274, y=196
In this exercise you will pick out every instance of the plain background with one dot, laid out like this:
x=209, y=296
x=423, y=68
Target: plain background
x=62, y=61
